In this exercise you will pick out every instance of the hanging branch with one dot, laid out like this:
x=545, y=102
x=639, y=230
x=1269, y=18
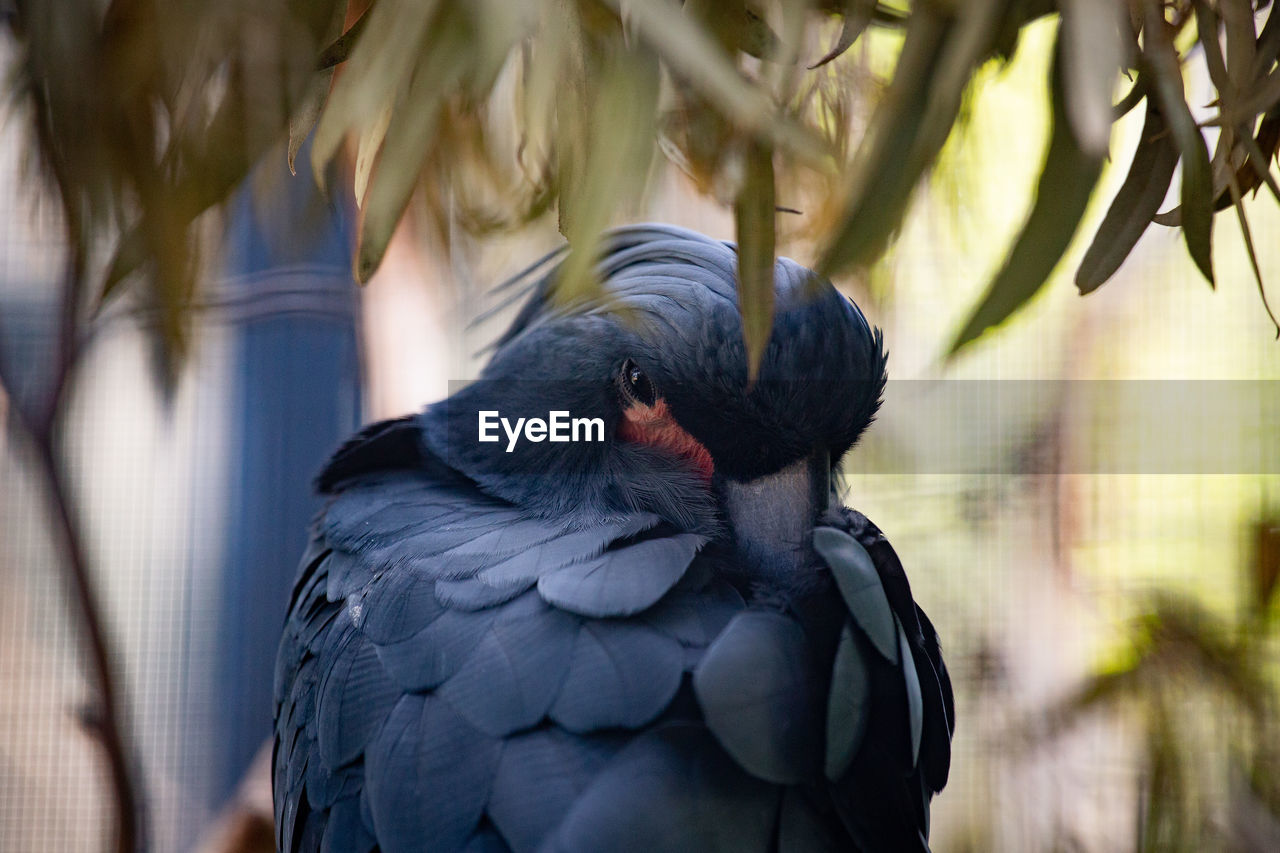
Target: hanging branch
x=44, y=426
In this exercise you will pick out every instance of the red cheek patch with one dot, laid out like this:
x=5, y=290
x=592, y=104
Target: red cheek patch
x=654, y=426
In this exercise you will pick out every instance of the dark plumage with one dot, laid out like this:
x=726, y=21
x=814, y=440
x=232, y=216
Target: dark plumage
x=665, y=640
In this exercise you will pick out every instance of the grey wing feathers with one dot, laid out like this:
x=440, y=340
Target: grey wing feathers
x=890, y=709
x=456, y=675
x=423, y=656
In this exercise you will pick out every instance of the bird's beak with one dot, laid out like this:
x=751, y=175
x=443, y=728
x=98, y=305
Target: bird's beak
x=773, y=516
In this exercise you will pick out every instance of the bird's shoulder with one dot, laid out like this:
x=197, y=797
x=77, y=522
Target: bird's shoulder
x=443, y=639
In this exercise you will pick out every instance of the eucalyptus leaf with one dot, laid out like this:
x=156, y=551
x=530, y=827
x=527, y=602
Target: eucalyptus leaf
x=1197, y=175
x=379, y=70
x=1066, y=183
x=1136, y=202
x=1092, y=55
x=693, y=55
x=882, y=178
x=408, y=140
x=755, y=217
x=857, y=16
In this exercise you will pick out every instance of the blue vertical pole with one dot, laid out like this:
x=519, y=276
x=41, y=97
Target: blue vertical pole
x=296, y=395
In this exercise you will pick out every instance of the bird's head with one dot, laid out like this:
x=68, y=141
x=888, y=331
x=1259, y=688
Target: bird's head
x=661, y=362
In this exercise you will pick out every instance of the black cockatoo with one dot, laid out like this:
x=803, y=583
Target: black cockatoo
x=666, y=635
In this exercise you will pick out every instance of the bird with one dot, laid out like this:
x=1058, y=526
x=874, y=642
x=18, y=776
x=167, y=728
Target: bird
x=666, y=635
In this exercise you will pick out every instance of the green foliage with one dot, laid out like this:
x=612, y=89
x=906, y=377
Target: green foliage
x=1205, y=691
x=732, y=93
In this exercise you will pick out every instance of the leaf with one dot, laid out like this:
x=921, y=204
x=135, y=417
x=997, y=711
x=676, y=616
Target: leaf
x=696, y=57
x=857, y=15
x=1253, y=255
x=1197, y=176
x=605, y=142
x=1092, y=55
x=371, y=137
x=408, y=141
x=305, y=113
x=1266, y=563
x=304, y=118
x=755, y=220
x=381, y=66
x=1066, y=183
x=1136, y=202
x=340, y=48
x=882, y=177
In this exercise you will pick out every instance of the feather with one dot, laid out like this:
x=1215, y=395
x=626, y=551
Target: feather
x=671, y=789
x=429, y=773
x=355, y=698
x=516, y=670
x=758, y=697
x=533, y=562
x=695, y=618
x=622, y=581
x=915, y=701
x=801, y=829
x=846, y=706
x=398, y=606
x=540, y=775
x=347, y=574
x=424, y=660
x=344, y=831
x=474, y=594
x=621, y=674
x=859, y=583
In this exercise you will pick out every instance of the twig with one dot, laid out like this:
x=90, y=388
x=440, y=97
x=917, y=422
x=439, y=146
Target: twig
x=44, y=427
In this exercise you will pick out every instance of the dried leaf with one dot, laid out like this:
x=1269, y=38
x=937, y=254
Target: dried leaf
x=380, y=68
x=755, y=219
x=1137, y=201
x=1067, y=180
x=367, y=148
x=339, y=50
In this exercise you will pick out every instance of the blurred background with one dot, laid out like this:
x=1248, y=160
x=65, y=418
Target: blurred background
x=1087, y=499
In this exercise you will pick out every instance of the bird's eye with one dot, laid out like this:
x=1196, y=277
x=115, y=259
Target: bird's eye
x=635, y=385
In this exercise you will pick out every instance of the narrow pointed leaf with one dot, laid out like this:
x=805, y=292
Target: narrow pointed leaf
x=381, y=65
x=1197, y=174
x=857, y=15
x=693, y=55
x=303, y=121
x=1062, y=194
x=1134, y=205
x=408, y=140
x=755, y=215
x=882, y=177
x=1092, y=55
